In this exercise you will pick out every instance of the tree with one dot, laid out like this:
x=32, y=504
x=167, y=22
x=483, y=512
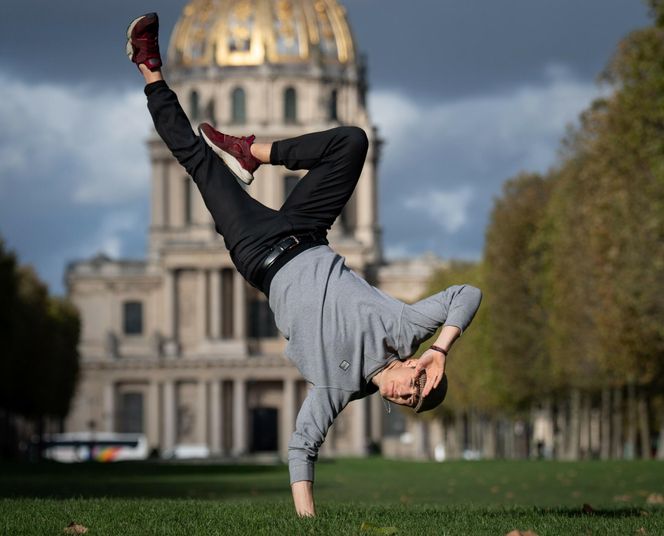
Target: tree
x=607, y=236
x=39, y=339
x=514, y=297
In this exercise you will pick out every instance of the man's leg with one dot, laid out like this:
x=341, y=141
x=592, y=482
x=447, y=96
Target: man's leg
x=334, y=159
x=246, y=225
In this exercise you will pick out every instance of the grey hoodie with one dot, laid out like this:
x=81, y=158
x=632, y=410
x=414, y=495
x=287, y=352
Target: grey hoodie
x=341, y=332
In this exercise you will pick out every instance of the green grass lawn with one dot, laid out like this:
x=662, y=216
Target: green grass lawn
x=353, y=496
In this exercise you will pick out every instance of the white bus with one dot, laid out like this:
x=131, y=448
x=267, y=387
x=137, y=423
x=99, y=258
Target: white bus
x=95, y=446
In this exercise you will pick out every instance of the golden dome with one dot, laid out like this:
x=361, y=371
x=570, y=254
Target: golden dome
x=251, y=32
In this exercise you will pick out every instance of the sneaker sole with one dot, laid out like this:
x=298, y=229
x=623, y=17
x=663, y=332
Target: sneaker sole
x=231, y=162
x=129, y=49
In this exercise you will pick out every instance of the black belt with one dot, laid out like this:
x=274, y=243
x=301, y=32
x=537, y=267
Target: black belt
x=282, y=251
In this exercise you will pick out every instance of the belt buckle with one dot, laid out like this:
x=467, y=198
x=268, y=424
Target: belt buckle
x=297, y=241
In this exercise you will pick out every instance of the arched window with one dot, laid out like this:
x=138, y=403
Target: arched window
x=188, y=197
x=210, y=112
x=290, y=105
x=194, y=105
x=238, y=106
x=332, y=111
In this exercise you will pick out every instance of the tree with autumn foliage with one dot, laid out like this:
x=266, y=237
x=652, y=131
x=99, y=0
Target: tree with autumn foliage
x=575, y=260
x=513, y=259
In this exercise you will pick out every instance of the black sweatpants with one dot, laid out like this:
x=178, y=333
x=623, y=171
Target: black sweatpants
x=334, y=159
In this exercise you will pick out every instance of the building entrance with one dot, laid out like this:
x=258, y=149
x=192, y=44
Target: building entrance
x=264, y=430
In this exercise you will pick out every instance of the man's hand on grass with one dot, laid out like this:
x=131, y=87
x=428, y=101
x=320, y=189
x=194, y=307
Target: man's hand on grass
x=303, y=498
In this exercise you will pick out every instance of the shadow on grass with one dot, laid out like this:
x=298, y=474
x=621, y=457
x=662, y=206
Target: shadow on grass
x=141, y=479
x=498, y=512
x=619, y=512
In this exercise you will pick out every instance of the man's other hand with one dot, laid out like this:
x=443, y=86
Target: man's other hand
x=434, y=364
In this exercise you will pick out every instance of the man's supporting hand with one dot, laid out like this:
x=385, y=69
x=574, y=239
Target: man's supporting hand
x=303, y=498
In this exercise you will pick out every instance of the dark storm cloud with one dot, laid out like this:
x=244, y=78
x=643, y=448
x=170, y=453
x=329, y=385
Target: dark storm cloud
x=447, y=48
x=435, y=48
x=74, y=41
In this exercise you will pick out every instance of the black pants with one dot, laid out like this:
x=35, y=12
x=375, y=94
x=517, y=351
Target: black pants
x=334, y=159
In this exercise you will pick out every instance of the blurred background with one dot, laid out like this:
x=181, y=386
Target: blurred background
x=516, y=146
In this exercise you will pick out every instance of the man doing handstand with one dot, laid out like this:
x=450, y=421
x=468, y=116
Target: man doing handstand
x=347, y=338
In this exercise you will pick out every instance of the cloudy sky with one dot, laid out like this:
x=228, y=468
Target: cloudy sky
x=466, y=93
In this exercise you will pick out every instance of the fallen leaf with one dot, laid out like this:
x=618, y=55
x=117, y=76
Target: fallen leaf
x=521, y=533
x=642, y=531
x=622, y=498
x=643, y=513
x=75, y=528
x=370, y=528
x=655, y=498
x=587, y=509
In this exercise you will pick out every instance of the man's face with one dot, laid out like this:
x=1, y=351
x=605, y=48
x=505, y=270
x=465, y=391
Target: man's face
x=398, y=386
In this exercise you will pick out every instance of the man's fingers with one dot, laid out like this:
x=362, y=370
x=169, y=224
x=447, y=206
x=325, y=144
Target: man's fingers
x=422, y=364
x=431, y=383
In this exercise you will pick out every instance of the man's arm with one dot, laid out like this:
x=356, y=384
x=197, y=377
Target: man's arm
x=316, y=415
x=303, y=498
x=455, y=309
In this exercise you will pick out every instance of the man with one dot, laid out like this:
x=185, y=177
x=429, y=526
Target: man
x=347, y=338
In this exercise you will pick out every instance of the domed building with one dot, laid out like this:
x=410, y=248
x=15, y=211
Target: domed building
x=178, y=346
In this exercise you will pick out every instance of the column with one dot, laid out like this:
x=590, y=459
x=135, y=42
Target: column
x=177, y=185
x=170, y=304
x=109, y=407
x=420, y=449
x=287, y=424
x=153, y=415
x=166, y=197
x=201, y=305
x=158, y=207
x=377, y=410
x=169, y=416
x=216, y=427
x=273, y=189
x=239, y=417
x=365, y=204
x=202, y=413
x=239, y=306
x=360, y=427
x=215, y=304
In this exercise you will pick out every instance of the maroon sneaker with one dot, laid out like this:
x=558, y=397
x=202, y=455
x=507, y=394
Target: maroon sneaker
x=143, y=41
x=234, y=151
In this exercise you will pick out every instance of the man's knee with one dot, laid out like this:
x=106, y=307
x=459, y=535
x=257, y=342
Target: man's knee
x=355, y=137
